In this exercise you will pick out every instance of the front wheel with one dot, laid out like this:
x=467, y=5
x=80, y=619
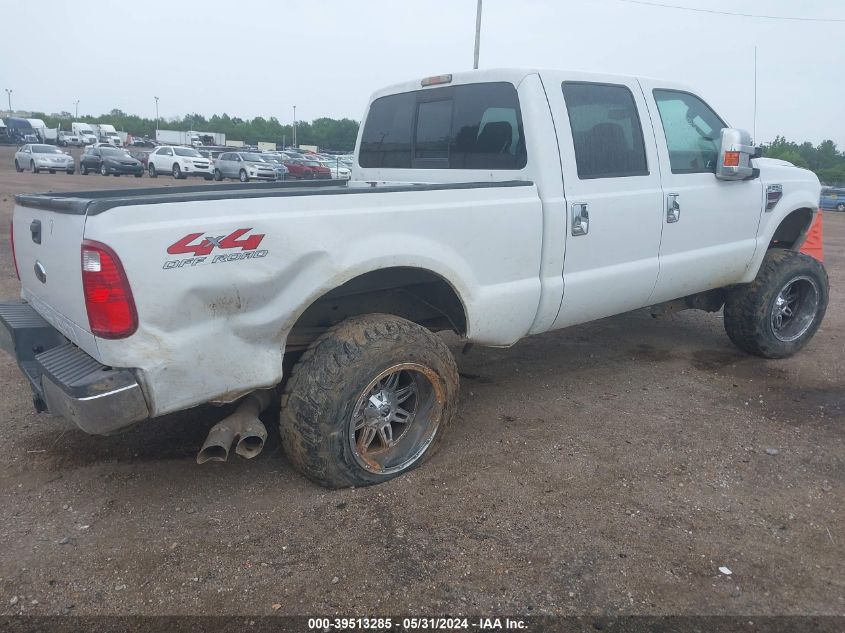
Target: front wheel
x=33, y=167
x=103, y=170
x=18, y=167
x=152, y=171
x=840, y=206
x=243, y=176
x=83, y=169
x=369, y=400
x=779, y=312
x=218, y=175
x=177, y=171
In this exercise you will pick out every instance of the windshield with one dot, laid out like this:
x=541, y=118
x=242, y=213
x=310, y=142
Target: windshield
x=255, y=158
x=44, y=149
x=311, y=163
x=186, y=151
x=113, y=151
x=273, y=159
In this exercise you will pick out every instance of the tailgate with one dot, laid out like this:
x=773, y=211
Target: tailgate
x=48, y=247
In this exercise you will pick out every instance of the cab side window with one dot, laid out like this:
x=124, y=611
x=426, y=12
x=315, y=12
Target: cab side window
x=606, y=130
x=692, y=131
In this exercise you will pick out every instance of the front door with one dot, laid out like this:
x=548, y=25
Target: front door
x=709, y=225
x=611, y=182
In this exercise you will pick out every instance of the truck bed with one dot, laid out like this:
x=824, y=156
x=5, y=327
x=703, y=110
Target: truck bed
x=98, y=201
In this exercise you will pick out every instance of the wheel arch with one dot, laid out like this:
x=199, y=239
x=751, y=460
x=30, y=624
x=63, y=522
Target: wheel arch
x=418, y=294
x=791, y=231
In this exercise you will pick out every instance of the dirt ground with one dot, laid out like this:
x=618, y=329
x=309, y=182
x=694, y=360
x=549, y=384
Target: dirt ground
x=611, y=468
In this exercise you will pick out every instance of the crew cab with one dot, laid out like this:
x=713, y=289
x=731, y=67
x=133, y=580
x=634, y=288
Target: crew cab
x=180, y=162
x=497, y=204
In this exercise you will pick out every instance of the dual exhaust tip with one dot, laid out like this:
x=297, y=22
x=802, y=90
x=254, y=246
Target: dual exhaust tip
x=242, y=428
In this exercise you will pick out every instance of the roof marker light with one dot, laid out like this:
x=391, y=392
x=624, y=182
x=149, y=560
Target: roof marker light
x=436, y=80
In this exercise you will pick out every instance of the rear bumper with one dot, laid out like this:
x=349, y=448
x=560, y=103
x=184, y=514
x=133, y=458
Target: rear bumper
x=65, y=380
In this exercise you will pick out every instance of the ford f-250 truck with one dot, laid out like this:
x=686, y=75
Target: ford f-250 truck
x=497, y=204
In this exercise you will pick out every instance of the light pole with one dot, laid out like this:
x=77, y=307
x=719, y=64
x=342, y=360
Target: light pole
x=477, y=34
x=294, y=127
x=76, y=109
x=9, y=92
x=156, y=98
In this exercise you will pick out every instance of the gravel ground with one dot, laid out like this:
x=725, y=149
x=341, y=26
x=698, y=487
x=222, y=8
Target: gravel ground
x=611, y=468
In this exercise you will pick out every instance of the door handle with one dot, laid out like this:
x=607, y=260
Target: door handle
x=673, y=207
x=580, y=218
x=35, y=230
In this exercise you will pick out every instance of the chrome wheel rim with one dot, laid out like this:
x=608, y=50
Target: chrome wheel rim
x=396, y=418
x=794, y=308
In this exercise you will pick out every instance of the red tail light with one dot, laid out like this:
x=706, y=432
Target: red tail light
x=108, y=297
x=12, y=240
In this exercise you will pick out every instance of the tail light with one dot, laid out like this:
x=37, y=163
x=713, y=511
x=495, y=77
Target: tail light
x=108, y=297
x=12, y=240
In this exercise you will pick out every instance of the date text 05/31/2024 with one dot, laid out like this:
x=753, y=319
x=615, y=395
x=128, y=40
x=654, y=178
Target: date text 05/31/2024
x=417, y=624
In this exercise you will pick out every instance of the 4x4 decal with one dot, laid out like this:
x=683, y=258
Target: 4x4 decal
x=200, y=246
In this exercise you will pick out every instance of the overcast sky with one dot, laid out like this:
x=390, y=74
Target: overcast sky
x=261, y=57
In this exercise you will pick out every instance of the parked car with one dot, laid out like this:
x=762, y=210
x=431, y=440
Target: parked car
x=109, y=161
x=244, y=166
x=179, y=161
x=318, y=169
x=298, y=169
x=69, y=138
x=141, y=156
x=143, y=142
x=207, y=294
x=832, y=199
x=37, y=157
x=338, y=170
x=278, y=164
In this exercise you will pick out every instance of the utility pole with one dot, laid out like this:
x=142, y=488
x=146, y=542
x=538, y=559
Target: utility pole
x=754, y=133
x=294, y=127
x=156, y=98
x=477, y=35
x=9, y=92
x=76, y=109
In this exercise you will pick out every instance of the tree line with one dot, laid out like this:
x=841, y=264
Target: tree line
x=824, y=159
x=326, y=133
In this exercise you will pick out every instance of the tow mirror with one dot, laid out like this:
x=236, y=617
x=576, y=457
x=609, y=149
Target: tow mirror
x=735, y=154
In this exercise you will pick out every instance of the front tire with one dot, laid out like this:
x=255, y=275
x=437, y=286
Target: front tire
x=243, y=177
x=368, y=401
x=779, y=312
x=218, y=175
x=33, y=167
x=83, y=169
x=177, y=172
x=840, y=207
x=18, y=167
x=103, y=170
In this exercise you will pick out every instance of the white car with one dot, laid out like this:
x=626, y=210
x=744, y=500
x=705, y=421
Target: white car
x=496, y=204
x=180, y=162
x=36, y=158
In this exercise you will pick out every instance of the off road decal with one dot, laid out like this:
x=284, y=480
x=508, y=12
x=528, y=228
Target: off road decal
x=203, y=247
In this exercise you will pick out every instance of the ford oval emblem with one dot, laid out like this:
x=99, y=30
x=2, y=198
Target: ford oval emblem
x=40, y=272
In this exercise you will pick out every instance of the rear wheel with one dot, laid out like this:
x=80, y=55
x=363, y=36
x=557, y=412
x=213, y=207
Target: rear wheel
x=243, y=176
x=840, y=206
x=152, y=171
x=369, y=400
x=779, y=312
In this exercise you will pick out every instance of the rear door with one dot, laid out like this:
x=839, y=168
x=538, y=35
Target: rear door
x=709, y=225
x=614, y=200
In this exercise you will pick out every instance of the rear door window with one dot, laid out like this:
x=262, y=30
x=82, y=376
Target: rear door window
x=474, y=126
x=606, y=130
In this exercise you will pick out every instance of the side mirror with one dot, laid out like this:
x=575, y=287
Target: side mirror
x=735, y=154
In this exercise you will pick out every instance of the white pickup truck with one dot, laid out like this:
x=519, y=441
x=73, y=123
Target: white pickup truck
x=497, y=204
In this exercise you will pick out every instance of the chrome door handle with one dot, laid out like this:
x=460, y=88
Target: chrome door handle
x=580, y=218
x=673, y=207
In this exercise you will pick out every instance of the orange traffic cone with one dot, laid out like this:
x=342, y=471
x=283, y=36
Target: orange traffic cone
x=813, y=244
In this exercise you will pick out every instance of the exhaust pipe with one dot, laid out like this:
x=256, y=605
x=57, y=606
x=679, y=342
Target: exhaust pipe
x=243, y=427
